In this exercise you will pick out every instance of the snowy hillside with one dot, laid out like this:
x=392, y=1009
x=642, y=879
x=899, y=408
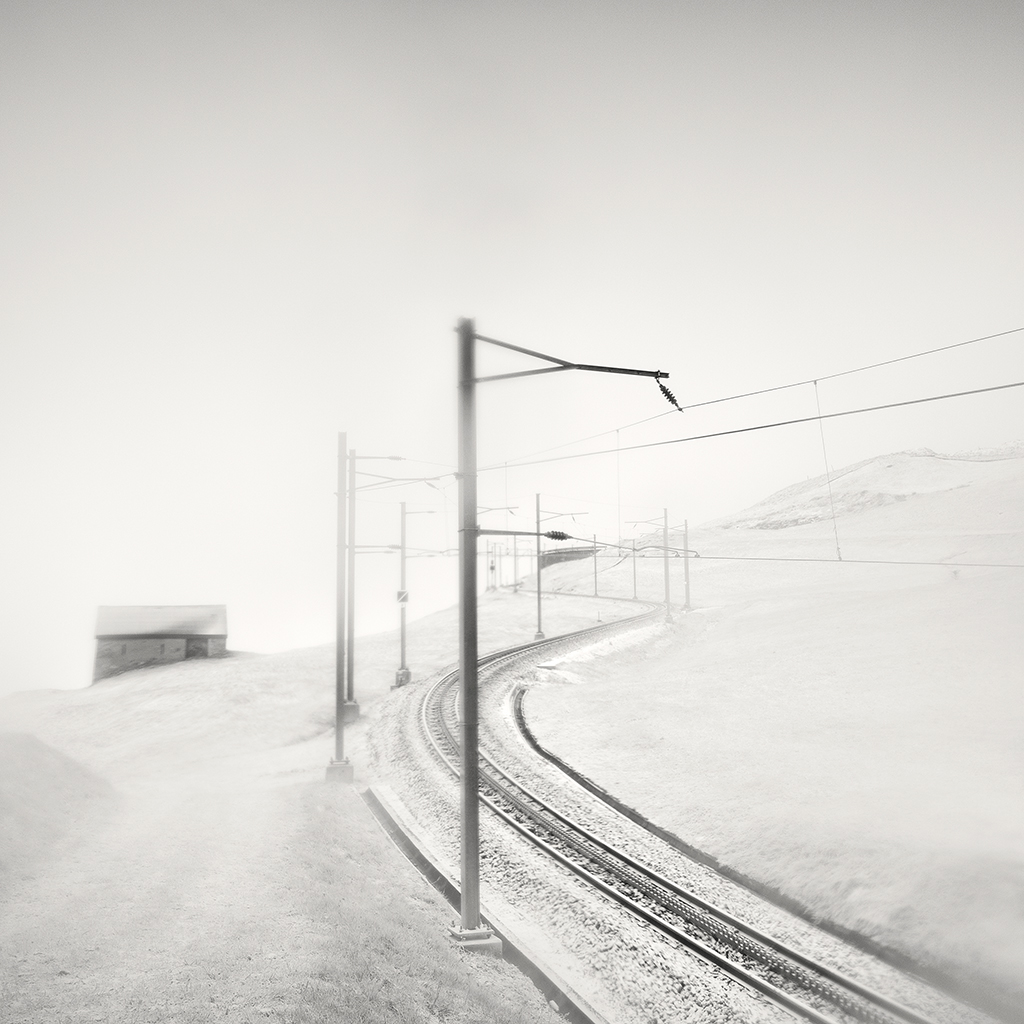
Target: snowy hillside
x=875, y=483
x=847, y=733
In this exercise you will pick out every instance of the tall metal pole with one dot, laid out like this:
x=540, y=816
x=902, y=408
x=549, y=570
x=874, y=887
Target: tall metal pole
x=340, y=769
x=634, y=568
x=339, y=657
x=515, y=561
x=664, y=541
x=539, y=635
x=686, y=562
x=618, y=494
x=403, y=669
x=470, y=860
x=470, y=932
x=352, y=709
x=595, y=565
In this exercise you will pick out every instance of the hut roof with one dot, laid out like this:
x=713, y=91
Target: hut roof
x=162, y=620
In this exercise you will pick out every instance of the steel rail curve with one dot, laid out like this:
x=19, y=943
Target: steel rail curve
x=731, y=945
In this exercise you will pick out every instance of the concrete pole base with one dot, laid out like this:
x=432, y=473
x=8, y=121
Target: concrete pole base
x=538, y=636
x=402, y=677
x=349, y=711
x=477, y=940
x=340, y=771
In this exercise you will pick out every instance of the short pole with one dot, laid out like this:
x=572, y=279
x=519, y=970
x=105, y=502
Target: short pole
x=351, y=707
x=686, y=563
x=539, y=635
x=664, y=542
x=339, y=658
x=403, y=668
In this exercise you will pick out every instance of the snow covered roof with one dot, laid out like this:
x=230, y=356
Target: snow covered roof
x=162, y=620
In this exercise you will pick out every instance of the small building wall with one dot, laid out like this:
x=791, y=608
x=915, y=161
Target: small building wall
x=123, y=655
x=206, y=646
x=134, y=636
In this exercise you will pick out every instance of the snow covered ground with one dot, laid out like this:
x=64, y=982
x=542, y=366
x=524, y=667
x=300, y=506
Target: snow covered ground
x=169, y=850
x=849, y=734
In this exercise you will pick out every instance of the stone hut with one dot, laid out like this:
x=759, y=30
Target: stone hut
x=133, y=636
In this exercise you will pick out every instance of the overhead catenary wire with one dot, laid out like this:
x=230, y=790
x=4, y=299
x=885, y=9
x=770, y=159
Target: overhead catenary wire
x=700, y=556
x=383, y=483
x=759, y=426
x=858, y=561
x=782, y=387
x=386, y=483
x=858, y=369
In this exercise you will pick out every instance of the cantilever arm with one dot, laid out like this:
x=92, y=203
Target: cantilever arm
x=563, y=364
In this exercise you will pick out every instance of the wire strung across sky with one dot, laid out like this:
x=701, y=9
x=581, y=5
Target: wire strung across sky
x=381, y=482
x=624, y=550
x=384, y=483
x=859, y=561
x=758, y=426
x=781, y=387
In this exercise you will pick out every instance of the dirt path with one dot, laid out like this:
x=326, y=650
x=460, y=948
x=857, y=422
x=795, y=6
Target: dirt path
x=169, y=909
x=224, y=881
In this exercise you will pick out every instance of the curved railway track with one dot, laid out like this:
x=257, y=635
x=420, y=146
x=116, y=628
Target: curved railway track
x=798, y=983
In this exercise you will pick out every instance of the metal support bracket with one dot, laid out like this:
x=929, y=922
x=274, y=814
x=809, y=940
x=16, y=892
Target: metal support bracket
x=340, y=771
x=477, y=940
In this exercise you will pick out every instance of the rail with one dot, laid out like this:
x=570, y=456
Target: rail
x=788, y=978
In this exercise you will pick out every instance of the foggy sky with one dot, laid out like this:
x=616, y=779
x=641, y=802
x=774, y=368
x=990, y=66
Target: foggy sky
x=232, y=229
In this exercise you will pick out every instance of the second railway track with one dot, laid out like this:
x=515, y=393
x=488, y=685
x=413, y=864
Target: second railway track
x=781, y=974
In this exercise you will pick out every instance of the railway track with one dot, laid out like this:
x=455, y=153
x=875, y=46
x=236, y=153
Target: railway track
x=808, y=989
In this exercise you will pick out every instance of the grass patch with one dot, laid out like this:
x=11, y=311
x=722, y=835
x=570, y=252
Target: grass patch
x=228, y=882
x=402, y=968
x=45, y=797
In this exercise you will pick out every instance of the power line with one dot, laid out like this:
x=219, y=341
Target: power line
x=760, y=426
x=782, y=387
x=859, y=561
x=678, y=552
x=856, y=369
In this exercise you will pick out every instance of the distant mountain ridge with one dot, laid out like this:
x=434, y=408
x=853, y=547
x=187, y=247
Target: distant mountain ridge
x=873, y=483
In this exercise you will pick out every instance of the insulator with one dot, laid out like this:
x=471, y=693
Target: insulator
x=668, y=394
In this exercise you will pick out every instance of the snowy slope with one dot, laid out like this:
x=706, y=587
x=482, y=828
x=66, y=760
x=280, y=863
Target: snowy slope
x=849, y=733
x=876, y=483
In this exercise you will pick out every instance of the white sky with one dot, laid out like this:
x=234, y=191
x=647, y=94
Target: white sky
x=231, y=229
